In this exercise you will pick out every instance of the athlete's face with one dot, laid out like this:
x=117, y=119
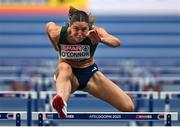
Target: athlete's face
x=79, y=30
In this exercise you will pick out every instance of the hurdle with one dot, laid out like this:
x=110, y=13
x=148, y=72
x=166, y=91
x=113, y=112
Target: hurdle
x=168, y=117
x=47, y=95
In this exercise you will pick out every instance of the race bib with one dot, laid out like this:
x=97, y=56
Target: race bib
x=75, y=51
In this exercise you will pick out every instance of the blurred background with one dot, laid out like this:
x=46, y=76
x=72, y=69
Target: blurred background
x=148, y=60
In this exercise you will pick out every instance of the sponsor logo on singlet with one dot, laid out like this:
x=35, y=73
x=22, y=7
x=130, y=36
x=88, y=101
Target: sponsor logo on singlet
x=75, y=51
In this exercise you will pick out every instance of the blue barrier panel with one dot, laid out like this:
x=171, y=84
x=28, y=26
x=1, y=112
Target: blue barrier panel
x=114, y=116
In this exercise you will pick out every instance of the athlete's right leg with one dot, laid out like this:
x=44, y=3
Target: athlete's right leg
x=66, y=83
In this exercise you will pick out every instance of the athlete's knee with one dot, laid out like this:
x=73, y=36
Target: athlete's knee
x=128, y=106
x=64, y=69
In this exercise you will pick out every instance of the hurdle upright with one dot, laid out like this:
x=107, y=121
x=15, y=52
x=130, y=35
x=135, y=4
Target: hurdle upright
x=40, y=117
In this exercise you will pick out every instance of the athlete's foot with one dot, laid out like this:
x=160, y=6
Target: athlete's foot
x=60, y=106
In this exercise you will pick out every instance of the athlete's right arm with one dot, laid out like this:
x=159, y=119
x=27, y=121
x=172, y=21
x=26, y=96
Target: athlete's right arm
x=53, y=31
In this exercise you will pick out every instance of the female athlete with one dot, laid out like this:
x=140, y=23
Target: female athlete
x=76, y=43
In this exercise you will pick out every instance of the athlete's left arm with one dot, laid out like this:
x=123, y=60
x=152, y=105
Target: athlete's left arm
x=107, y=38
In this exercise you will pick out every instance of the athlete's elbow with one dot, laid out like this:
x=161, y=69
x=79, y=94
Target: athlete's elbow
x=48, y=25
x=117, y=43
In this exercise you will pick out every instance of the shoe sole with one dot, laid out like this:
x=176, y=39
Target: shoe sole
x=58, y=105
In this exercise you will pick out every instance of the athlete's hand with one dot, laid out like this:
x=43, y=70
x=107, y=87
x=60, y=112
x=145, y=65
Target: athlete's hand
x=93, y=35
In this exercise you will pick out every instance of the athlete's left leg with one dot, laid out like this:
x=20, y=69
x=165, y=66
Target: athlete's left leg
x=103, y=88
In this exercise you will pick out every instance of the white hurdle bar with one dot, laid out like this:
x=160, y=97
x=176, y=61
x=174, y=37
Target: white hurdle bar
x=107, y=116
